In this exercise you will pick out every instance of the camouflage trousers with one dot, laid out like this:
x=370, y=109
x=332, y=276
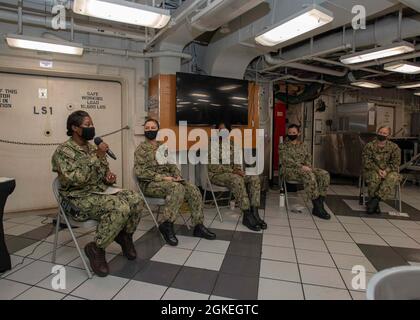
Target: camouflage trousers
x=175, y=193
x=382, y=188
x=316, y=182
x=113, y=212
x=238, y=186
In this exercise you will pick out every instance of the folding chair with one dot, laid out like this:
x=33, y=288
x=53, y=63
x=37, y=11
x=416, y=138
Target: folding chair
x=363, y=192
x=70, y=223
x=158, y=202
x=206, y=185
x=283, y=184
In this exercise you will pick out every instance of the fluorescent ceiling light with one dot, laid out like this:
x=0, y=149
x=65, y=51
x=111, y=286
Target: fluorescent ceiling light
x=313, y=17
x=203, y=100
x=123, y=11
x=411, y=85
x=200, y=95
x=240, y=98
x=229, y=88
x=417, y=93
x=403, y=67
x=378, y=53
x=366, y=84
x=41, y=44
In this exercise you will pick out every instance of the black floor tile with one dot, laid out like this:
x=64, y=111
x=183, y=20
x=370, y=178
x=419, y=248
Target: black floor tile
x=120, y=266
x=157, y=273
x=382, y=257
x=245, y=266
x=236, y=287
x=247, y=237
x=410, y=255
x=244, y=249
x=194, y=279
x=340, y=208
x=39, y=233
x=148, y=245
x=14, y=243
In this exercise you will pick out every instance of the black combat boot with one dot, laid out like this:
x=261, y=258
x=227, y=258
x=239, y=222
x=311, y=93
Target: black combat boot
x=249, y=221
x=200, y=231
x=167, y=230
x=257, y=218
x=319, y=211
x=372, y=206
x=125, y=240
x=97, y=259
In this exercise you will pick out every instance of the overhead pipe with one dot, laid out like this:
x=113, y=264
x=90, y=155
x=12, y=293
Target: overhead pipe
x=351, y=67
x=270, y=60
x=135, y=54
x=277, y=62
x=177, y=19
x=46, y=22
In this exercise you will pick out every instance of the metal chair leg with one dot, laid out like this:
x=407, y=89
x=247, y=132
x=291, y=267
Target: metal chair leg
x=286, y=196
x=399, y=198
x=57, y=227
x=215, y=200
x=77, y=247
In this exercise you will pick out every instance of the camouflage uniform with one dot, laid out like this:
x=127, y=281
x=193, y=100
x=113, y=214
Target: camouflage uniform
x=377, y=158
x=81, y=173
x=292, y=158
x=150, y=174
x=223, y=175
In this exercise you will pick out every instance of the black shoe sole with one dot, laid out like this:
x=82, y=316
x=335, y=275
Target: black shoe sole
x=204, y=237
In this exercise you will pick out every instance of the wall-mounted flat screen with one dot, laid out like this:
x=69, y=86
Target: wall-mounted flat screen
x=204, y=100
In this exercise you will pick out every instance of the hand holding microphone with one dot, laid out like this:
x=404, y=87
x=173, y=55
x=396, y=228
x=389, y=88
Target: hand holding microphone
x=103, y=149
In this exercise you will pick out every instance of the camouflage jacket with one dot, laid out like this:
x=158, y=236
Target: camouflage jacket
x=221, y=168
x=377, y=158
x=146, y=166
x=293, y=156
x=80, y=172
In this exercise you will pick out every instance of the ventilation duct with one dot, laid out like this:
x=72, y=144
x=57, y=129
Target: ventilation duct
x=220, y=12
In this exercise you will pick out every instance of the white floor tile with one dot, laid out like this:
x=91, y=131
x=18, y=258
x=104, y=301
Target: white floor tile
x=279, y=254
x=278, y=230
x=277, y=241
x=371, y=239
x=100, y=288
x=32, y=273
x=358, y=228
x=310, y=244
x=344, y=248
x=172, y=255
x=279, y=290
x=322, y=276
x=403, y=242
x=205, y=260
x=342, y=236
x=306, y=233
x=324, y=293
x=40, y=294
x=36, y=250
x=279, y=270
x=214, y=246
x=177, y=294
x=314, y=258
x=19, y=229
x=73, y=278
x=10, y=289
x=136, y=290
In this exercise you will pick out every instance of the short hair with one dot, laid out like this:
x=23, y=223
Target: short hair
x=385, y=127
x=75, y=119
x=152, y=120
x=294, y=126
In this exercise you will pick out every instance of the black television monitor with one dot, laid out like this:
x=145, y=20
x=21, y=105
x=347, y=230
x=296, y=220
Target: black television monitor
x=204, y=100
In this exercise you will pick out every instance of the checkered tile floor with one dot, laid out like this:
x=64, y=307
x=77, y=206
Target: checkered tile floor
x=298, y=257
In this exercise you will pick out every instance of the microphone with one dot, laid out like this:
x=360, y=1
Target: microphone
x=98, y=141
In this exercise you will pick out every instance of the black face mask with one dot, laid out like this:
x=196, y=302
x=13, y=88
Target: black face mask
x=292, y=137
x=381, y=138
x=151, y=135
x=88, y=133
